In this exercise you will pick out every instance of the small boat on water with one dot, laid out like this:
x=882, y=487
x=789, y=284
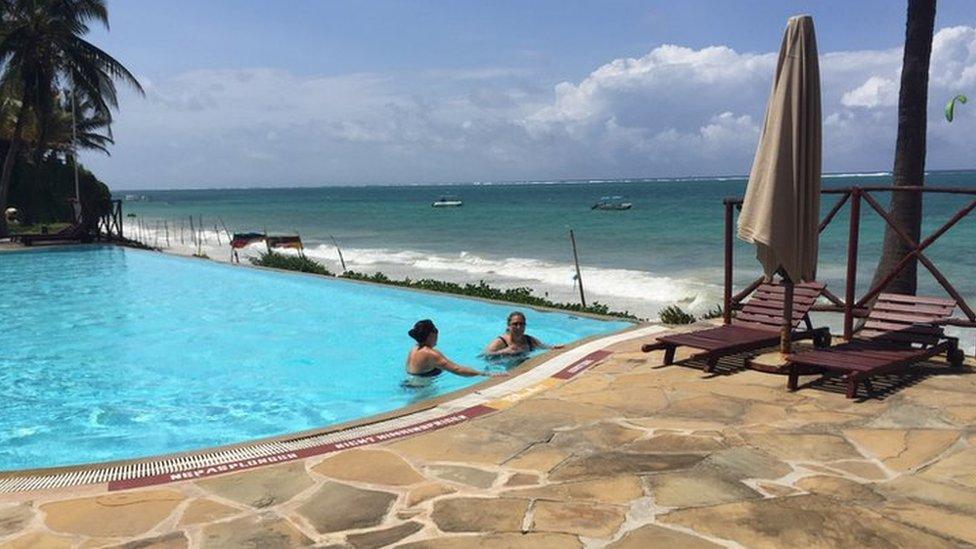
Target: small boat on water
x=612, y=203
x=447, y=201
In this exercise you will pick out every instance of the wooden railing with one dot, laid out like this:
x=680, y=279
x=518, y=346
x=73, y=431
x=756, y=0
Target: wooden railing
x=851, y=306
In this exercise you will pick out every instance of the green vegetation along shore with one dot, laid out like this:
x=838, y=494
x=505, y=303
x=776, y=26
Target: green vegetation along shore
x=523, y=295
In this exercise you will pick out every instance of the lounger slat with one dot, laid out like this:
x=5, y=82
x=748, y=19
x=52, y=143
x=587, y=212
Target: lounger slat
x=899, y=298
x=917, y=308
x=899, y=327
x=768, y=320
x=778, y=297
x=757, y=326
x=907, y=318
x=753, y=307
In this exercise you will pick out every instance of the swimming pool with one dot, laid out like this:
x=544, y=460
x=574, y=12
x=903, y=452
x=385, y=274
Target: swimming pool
x=110, y=353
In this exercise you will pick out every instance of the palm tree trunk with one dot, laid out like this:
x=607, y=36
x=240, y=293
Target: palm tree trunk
x=909, y=167
x=8, y=166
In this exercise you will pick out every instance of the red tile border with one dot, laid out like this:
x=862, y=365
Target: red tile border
x=582, y=364
x=244, y=464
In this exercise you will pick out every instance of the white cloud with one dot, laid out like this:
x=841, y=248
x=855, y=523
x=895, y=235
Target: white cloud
x=875, y=92
x=673, y=111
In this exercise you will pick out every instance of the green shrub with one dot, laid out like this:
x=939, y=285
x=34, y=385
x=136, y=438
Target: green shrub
x=483, y=290
x=299, y=263
x=714, y=312
x=672, y=314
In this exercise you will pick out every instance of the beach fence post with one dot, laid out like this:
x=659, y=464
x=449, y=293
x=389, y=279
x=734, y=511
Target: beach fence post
x=203, y=235
x=341, y=260
x=226, y=232
x=156, y=236
x=166, y=228
x=217, y=232
x=579, y=277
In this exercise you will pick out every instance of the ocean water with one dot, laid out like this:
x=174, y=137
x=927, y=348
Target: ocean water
x=117, y=353
x=667, y=249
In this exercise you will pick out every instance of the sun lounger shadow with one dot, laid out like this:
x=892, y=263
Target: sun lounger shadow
x=901, y=333
x=757, y=326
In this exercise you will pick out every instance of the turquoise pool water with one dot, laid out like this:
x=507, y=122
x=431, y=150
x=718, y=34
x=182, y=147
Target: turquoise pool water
x=108, y=353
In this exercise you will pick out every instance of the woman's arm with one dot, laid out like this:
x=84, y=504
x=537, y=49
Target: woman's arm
x=540, y=345
x=444, y=363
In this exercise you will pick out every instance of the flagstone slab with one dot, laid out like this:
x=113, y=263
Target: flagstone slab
x=676, y=443
x=206, y=510
x=462, y=443
x=535, y=420
x=599, y=436
x=264, y=530
x=522, y=479
x=707, y=407
x=540, y=457
x=617, y=490
x=696, y=489
x=369, y=466
x=841, y=489
x=911, y=416
x=804, y=446
x=801, y=521
x=121, y=514
x=262, y=487
x=13, y=518
x=35, y=540
x=616, y=463
x=903, y=450
x=625, y=400
x=776, y=490
x=384, y=537
x=949, y=496
x=172, y=540
x=958, y=468
x=471, y=476
x=584, y=519
x=335, y=507
x=864, y=469
x=651, y=535
x=744, y=462
x=427, y=491
x=499, y=541
x=961, y=526
x=479, y=514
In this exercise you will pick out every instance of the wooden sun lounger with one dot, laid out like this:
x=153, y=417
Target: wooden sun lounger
x=900, y=331
x=756, y=326
x=74, y=233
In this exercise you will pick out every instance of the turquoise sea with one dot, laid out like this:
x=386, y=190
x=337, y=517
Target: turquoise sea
x=667, y=249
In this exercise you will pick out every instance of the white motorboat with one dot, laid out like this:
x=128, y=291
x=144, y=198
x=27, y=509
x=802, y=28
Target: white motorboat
x=447, y=201
x=612, y=203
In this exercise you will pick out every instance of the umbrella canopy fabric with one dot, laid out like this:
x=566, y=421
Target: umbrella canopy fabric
x=781, y=210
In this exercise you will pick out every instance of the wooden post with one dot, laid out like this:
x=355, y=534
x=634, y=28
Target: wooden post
x=166, y=228
x=193, y=232
x=217, y=232
x=156, y=236
x=203, y=237
x=579, y=277
x=727, y=295
x=182, y=226
x=853, y=232
x=226, y=232
x=785, y=331
x=341, y=260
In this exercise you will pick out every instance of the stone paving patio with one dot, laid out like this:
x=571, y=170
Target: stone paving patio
x=626, y=455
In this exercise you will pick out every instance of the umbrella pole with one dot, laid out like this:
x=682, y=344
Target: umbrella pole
x=784, y=336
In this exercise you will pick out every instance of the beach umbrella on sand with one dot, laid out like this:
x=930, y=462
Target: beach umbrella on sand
x=781, y=210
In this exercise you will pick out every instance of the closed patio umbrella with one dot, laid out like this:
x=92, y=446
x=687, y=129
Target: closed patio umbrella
x=781, y=210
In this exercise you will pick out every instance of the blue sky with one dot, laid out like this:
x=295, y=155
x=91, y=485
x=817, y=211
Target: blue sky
x=245, y=93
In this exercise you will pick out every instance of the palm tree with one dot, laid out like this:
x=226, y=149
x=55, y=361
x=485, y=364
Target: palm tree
x=42, y=49
x=909, y=168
